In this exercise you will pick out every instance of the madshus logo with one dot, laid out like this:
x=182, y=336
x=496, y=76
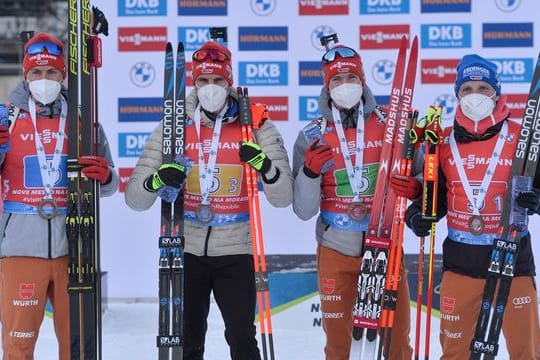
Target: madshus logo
x=142, y=74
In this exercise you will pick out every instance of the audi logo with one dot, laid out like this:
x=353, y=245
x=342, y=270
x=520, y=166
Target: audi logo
x=521, y=300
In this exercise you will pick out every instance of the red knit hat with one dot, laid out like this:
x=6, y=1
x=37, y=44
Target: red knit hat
x=212, y=59
x=342, y=59
x=37, y=55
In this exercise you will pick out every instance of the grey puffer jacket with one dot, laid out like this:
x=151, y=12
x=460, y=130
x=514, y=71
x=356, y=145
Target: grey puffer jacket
x=29, y=234
x=202, y=240
x=307, y=191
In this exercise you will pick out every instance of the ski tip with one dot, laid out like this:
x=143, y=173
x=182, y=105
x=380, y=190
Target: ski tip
x=180, y=47
x=169, y=47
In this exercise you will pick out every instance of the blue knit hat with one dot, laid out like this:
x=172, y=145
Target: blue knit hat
x=475, y=68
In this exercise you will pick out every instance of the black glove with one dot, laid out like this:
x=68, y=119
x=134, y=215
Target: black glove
x=419, y=226
x=529, y=200
x=168, y=174
x=254, y=156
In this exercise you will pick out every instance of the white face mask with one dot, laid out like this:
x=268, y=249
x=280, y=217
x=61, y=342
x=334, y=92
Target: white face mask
x=212, y=97
x=477, y=106
x=44, y=90
x=346, y=95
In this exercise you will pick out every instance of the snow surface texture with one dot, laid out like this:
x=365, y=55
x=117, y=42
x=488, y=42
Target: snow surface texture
x=129, y=332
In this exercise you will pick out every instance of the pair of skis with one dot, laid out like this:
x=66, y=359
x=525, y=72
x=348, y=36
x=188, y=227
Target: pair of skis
x=485, y=343
x=82, y=219
x=171, y=241
x=249, y=123
x=376, y=295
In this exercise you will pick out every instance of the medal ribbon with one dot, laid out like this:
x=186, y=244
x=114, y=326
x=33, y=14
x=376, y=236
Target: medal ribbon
x=354, y=173
x=49, y=170
x=490, y=171
x=206, y=172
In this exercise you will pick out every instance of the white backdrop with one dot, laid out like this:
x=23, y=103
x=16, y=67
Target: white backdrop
x=274, y=47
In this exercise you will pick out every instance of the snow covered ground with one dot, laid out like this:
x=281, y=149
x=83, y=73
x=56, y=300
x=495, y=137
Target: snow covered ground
x=129, y=330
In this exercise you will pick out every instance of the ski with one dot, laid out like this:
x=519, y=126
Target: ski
x=82, y=219
x=171, y=240
x=513, y=221
x=378, y=240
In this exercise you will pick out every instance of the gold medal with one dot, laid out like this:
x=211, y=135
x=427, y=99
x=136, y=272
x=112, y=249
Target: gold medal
x=476, y=224
x=204, y=213
x=47, y=209
x=356, y=211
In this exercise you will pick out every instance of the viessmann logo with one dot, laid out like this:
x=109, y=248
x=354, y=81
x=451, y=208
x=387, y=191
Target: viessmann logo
x=516, y=104
x=323, y=7
x=142, y=38
x=438, y=71
x=278, y=106
x=382, y=36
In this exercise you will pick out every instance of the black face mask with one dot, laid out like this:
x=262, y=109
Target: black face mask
x=463, y=136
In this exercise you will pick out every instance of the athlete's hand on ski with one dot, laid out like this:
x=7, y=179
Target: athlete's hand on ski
x=171, y=174
x=406, y=186
x=419, y=226
x=316, y=156
x=96, y=168
x=252, y=154
x=529, y=200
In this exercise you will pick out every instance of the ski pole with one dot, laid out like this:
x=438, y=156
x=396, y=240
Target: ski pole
x=261, y=276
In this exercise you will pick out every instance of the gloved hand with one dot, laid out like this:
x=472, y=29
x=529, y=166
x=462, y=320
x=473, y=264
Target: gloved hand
x=529, y=200
x=171, y=174
x=254, y=156
x=414, y=220
x=4, y=134
x=316, y=156
x=406, y=186
x=95, y=168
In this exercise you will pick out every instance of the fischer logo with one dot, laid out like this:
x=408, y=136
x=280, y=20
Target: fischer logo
x=142, y=38
x=438, y=71
x=382, y=36
x=323, y=7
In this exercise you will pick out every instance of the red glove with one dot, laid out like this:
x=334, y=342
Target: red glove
x=95, y=168
x=316, y=157
x=406, y=186
x=4, y=134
